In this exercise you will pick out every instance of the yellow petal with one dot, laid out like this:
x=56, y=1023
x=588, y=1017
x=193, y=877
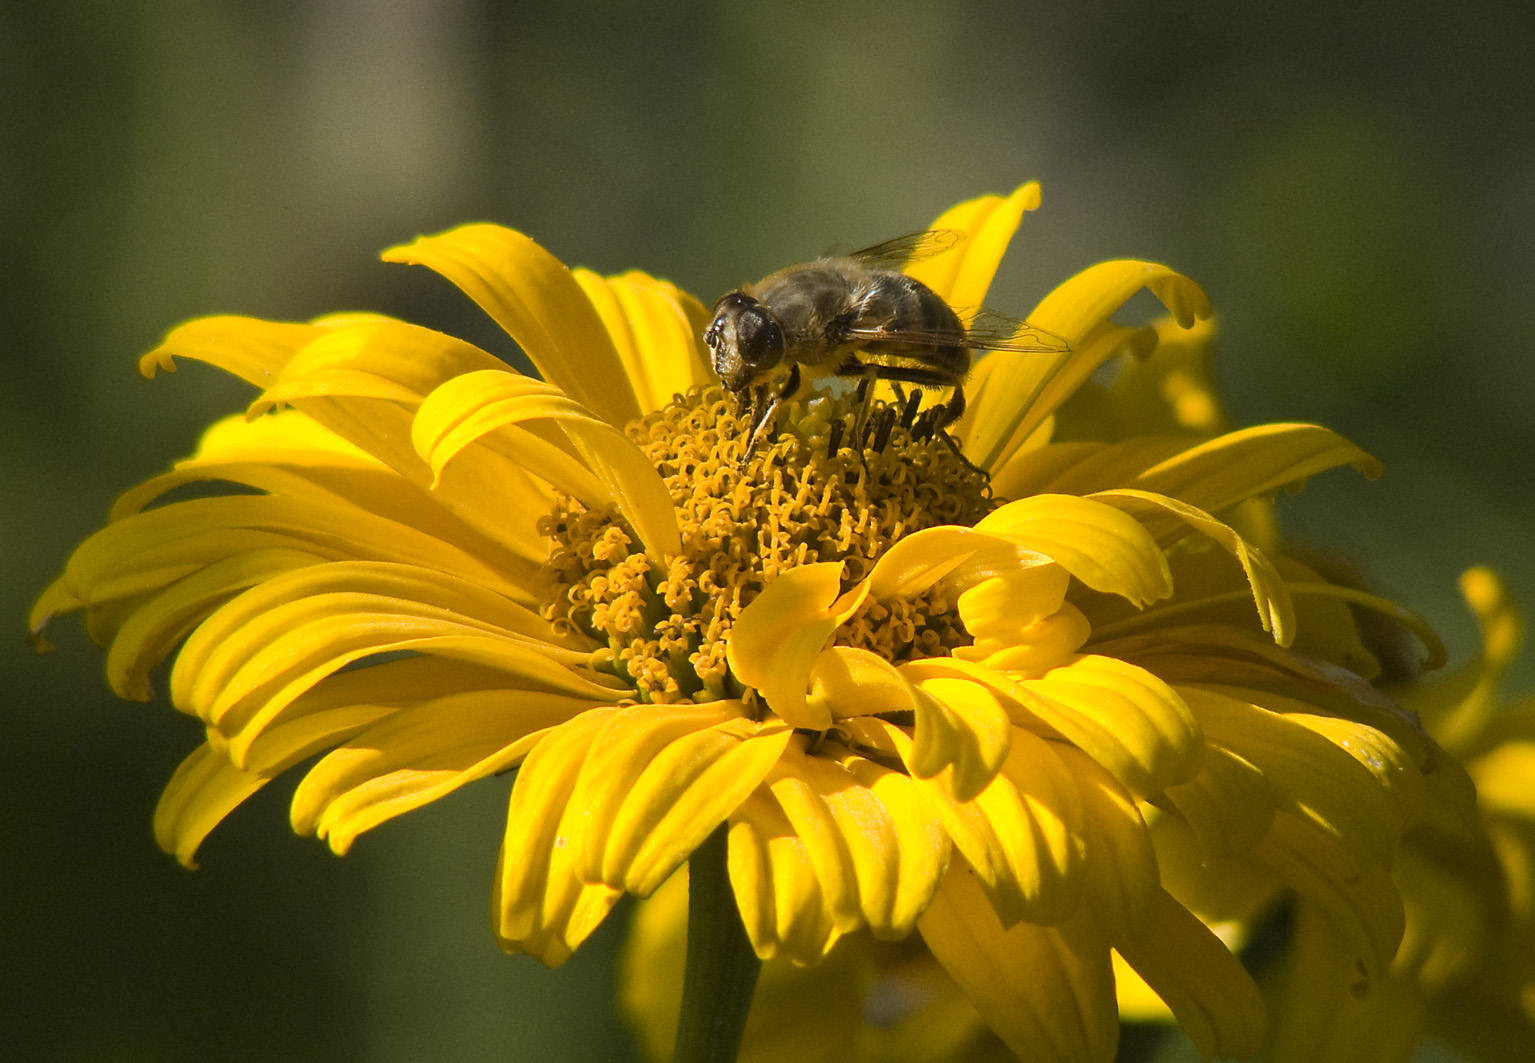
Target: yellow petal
x=963, y=275
x=365, y=381
x=1124, y=717
x=148, y=550
x=379, y=358
x=1213, y=997
x=921, y=848
x=252, y=349
x=1036, y=384
x=963, y=726
x=205, y=788
x=1023, y=835
x=1252, y=462
x=1045, y=644
x=1325, y=1018
x=535, y=299
x=1503, y=779
x=659, y=779
x=922, y=558
x=541, y=905
x=277, y=463
x=1313, y=771
x=1013, y=601
x=1119, y=876
x=1047, y=991
x=420, y=754
x=1076, y=311
x=1276, y=612
x=602, y=465
x=285, y=436
x=1104, y=548
x=657, y=329
x=776, y=888
x=266, y=647
x=803, y=788
x=1073, y=468
x=343, y=704
x=847, y=682
x=774, y=644
x=153, y=629
x=1228, y=805
x=1359, y=899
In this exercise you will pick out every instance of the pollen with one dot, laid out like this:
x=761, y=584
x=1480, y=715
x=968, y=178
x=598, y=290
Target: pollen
x=746, y=515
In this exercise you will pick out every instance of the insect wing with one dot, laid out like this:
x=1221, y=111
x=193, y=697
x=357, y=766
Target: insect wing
x=990, y=331
x=913, y=247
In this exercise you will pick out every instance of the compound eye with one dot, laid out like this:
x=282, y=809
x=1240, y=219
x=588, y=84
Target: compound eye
x=759, y=338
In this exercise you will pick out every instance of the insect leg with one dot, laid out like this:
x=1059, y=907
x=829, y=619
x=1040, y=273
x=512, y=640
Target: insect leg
x=765, y=412
x=935, y=418
x=882, y=429
x=913, y=404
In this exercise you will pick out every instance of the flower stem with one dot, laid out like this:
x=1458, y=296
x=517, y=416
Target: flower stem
x=722, y=966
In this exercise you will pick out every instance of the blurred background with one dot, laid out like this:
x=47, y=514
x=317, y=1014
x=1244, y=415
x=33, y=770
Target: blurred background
x=1354, y=184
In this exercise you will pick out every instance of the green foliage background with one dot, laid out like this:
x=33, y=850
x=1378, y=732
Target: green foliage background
x=1353, y=184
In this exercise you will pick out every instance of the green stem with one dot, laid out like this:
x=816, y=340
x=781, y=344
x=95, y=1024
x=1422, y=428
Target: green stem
x=722, y=966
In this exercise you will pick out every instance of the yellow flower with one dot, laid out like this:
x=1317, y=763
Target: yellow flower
x=928, y=686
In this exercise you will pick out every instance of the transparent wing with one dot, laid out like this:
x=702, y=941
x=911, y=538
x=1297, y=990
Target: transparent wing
x=913, y=247
x=989, y=331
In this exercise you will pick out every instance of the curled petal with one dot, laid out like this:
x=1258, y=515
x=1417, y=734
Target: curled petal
x=1106, y=549
x=1276, y=611
x=847, y=682
x=1002, y=608
x=1078, y=312
x=774, y=644
x=205, y=788
x=963, y=726
x=946, y=552
x=252, y=349
x=602, y=466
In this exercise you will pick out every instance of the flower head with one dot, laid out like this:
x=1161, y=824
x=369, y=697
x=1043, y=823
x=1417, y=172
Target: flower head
x=945, y=683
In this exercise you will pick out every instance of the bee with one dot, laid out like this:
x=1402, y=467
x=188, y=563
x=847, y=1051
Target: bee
x=857, y=316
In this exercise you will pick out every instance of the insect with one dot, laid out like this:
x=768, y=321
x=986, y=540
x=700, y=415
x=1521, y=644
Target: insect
x=857, y=316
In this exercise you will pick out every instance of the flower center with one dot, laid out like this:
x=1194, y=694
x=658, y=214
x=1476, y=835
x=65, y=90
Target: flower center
x=747, y=515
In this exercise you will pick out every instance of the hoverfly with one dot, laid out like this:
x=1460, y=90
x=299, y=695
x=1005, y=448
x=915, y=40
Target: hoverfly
x=856, y=316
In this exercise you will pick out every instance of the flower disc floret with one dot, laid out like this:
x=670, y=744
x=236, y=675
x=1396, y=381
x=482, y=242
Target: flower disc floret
x=746, y=515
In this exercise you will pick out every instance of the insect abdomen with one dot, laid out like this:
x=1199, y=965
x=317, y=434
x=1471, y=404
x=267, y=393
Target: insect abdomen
x=897, y=304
